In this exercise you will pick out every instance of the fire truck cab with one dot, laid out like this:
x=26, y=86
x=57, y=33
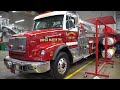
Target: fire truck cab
x=58, y=39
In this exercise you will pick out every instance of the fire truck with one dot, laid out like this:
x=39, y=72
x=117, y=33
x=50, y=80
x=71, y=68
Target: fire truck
x=58, y=39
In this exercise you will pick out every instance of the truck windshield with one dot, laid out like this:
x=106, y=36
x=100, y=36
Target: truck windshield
x=49, y=22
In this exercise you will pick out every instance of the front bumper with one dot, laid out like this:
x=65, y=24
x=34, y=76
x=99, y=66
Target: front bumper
x=26, y=66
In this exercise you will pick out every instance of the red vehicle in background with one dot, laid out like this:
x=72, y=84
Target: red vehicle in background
x=58, y=39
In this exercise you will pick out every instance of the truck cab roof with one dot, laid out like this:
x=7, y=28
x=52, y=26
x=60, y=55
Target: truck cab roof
x=52, y=13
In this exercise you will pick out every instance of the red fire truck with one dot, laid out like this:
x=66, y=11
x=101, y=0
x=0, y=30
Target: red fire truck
x=58, y=39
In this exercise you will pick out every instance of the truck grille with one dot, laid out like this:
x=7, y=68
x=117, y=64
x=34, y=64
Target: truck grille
x=15, y=42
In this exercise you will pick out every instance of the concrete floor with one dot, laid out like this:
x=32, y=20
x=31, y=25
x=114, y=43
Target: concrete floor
x=76, y=71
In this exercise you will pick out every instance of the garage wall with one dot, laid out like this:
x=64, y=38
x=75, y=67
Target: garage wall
x=93, y=14
x=118, y=20
x=27, y=24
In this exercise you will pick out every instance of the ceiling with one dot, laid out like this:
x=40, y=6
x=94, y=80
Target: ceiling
x=27, y=13
x=40, y=11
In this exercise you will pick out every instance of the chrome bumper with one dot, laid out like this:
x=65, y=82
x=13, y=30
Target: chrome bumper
x=27, y=66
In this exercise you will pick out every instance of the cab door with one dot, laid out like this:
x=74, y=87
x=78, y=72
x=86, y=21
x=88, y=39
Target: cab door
x=72, y=32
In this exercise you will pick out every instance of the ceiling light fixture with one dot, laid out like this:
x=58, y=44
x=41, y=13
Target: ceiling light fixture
x=19, y=21
x=14, y=11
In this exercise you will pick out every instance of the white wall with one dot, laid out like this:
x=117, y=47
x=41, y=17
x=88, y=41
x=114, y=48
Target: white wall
x=118, y=20
x=92, y=14
x=27, y=24
x=83, y=15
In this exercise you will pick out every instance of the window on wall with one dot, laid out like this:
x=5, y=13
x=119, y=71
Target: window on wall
x=70, y=22
x=118, y=23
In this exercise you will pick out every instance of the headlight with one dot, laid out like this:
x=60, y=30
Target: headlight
x=87, y=46
x=42, y=52
x=11, y=46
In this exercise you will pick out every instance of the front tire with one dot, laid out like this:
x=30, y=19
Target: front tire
x=60, y=66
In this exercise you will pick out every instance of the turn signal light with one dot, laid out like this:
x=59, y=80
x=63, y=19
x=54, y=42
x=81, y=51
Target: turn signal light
x=34, y=53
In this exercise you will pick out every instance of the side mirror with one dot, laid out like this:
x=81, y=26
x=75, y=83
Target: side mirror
x=77, y=22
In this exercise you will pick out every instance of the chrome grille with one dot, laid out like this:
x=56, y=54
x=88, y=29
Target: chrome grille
x=16, y=41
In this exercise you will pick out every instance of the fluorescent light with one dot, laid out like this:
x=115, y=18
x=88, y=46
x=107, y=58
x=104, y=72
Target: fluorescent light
x=19, y=21
x=14, y=11
x=0, y=16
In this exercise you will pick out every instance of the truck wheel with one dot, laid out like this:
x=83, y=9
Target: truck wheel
x=60, y=66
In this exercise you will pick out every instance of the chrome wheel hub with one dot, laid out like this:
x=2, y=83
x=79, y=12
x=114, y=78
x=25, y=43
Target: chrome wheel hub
x=62, y=65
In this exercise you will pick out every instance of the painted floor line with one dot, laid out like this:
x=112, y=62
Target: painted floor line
x=72, y=74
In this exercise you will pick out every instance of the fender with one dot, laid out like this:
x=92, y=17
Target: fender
x=62, y=48
x=50, y=50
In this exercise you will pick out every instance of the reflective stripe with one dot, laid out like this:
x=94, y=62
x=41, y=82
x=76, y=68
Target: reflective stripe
x=71, y=43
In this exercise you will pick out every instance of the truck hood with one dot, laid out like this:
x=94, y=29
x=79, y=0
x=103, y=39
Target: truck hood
x=35, y=32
